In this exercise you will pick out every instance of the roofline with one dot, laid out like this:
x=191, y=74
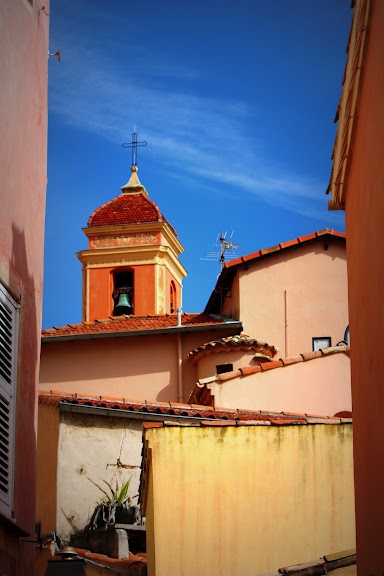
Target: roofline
x=65, y=406
x=287, y=246
x=272, y=418
x=175, y=412
x=230, y=268
x=148, y=332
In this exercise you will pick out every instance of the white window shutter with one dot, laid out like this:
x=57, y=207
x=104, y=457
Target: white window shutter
x=9, y=319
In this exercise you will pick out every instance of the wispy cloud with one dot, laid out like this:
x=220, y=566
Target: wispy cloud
x=197, y=135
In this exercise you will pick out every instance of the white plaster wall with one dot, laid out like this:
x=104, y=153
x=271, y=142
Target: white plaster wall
x=89, y=447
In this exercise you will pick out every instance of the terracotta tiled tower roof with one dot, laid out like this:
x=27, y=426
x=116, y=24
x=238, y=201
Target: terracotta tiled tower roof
x=131, y=207
x=132, y=262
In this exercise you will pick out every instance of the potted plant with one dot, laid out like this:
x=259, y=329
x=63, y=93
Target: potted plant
x=115, y=507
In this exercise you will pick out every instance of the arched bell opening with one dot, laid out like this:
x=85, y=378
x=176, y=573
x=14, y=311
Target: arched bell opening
x=122, y=295
x=172, y=297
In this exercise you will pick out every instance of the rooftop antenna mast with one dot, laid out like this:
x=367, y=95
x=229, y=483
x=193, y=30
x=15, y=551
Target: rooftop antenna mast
x=134, y=144
x=225, y=249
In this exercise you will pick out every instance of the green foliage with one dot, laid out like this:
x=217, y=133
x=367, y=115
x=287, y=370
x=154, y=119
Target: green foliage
x=116, y=494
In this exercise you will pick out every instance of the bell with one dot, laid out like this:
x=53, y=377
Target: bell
x=124, y=305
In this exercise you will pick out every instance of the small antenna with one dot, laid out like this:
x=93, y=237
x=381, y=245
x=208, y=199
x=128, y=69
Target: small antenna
x=134, y=144
x=225, y=249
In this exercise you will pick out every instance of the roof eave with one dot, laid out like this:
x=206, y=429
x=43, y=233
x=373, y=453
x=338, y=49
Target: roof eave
x=148, y=332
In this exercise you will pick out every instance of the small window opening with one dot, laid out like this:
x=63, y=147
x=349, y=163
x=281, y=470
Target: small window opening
x=123, y=293
x=320, y=342
x=172, y=297
x=222, y=368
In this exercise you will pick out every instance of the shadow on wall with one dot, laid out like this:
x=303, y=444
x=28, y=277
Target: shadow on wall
x=25, y=405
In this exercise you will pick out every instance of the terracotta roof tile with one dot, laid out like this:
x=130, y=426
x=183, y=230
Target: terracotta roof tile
x=238, y=342
x=206, y=414
x=288, y=244
x=292, y=360
x=311, y=355
x=308, y=237
x=228, y=375
x=343, y=414
x=271, y=365
x=152, y=424
x=250, y=370
x=126, y=209
x=131, y=324
x=251, y=256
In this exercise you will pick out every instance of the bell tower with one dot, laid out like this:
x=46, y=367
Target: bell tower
x=132, y=263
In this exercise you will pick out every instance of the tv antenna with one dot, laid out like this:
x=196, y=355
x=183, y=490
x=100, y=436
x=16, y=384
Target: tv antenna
x=225, y=249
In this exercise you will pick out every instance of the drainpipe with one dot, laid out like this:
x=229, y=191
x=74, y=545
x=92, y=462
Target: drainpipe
x=179, y=359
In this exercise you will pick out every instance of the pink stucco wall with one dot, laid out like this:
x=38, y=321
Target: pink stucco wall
x=206, y=366
x=288, y=298
x=136, y=367
x=320, y=386
x=23, y=180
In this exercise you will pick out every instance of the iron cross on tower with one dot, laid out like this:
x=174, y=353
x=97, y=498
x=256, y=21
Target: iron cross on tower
x=134, y=144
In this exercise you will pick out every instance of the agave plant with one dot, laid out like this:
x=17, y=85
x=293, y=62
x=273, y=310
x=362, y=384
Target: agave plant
x=118, y=494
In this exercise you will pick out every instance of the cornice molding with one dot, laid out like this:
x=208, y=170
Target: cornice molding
x=134, y=229
x=133, y=255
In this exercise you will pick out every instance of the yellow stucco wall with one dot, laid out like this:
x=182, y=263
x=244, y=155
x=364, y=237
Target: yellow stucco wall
x=248, y=499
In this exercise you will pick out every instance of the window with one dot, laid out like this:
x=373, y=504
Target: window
x=222, y=368
x=320, y=342
x=9, y=320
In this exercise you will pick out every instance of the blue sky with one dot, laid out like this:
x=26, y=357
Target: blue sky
x=236, y=102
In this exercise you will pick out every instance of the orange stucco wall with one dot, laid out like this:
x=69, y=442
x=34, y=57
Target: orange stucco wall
x=364, y=208
x=288, y=298
x=46, y=477
x=100, y=286
x=144, y=292
x=99, y=293
x=23, y=180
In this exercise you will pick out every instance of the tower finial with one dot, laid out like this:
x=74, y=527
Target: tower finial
x=134, y=144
